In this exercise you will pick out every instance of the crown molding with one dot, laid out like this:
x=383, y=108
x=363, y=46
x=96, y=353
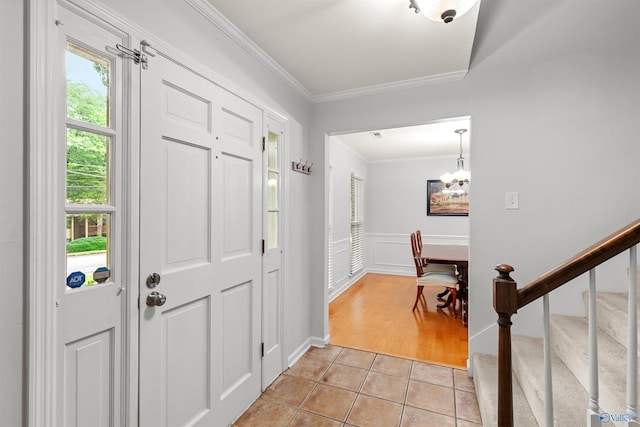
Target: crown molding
x=209, y=12
x=390, y=87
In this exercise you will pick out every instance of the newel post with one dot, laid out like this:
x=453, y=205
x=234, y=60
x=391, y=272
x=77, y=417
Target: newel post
x=505, y=302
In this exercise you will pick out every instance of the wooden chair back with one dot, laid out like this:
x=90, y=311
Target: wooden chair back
x=416, y=255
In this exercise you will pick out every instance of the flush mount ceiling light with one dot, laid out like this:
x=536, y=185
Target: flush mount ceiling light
x=442, y=10
x=461, y=176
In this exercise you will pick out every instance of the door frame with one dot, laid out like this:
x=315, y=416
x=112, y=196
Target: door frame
x=44, y=254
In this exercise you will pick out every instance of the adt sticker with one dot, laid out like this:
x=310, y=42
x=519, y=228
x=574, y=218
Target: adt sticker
x=76, y=279
x=101, y=274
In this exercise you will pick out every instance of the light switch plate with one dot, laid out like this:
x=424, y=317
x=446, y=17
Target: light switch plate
x=511, y=200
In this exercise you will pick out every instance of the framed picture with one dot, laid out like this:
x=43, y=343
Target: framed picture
x=446, y=203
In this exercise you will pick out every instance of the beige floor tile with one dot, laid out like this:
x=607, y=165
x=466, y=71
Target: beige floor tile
x=464, y=423
x=344, y=376
x=264, y=412
x=431, y=397
x=392, y=365
x=332, y=402
x=462, y=381
x=414, y=417
x=467, y=406
x=434, y=374
x=329, y=352
x=289, y=389
x=309, y=368
x=307, y=419
x=357, y=358
x=371, y=411
x=385, y=386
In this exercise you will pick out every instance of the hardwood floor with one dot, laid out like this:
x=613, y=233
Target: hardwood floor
x=375, y=315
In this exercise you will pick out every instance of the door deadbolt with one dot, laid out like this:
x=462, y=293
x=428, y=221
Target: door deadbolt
x=152, y=280
x=156, y=299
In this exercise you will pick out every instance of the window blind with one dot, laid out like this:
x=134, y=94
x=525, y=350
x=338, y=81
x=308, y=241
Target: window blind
x=356, y=238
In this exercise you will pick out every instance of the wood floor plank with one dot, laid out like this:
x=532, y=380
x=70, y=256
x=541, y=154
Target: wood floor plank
x=375, y=315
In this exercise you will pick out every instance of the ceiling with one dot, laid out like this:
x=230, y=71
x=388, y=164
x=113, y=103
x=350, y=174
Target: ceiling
x=336, y=49
x=330, y=49
x=428, y=140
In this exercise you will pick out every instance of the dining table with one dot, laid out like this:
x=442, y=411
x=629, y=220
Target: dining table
x=448, y=253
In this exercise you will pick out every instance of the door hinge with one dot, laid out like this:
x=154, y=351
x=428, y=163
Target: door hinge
x=264, y=143
x=262, y=246
x=261, y=349
x=137, y=56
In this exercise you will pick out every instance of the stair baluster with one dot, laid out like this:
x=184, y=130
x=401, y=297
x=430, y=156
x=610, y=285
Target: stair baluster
x=632, y=334
x=593, y=412
x=548, y=384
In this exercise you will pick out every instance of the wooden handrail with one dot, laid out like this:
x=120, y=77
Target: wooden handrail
x=507, y=299
x=584, y=261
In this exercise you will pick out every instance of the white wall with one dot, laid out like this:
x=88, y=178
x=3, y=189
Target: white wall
x=12, y=211
x=397, y=206
x=553, y=98
x=345, y=162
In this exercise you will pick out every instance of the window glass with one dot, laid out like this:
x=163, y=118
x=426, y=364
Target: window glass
x=88, y=172
x=273, y=151
x=88, y=238
x=272, y=195
x=88, y=77
x=272, y=231
x=87, y=168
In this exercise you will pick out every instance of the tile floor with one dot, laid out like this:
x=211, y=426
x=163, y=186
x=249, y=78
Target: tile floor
x=335, y=386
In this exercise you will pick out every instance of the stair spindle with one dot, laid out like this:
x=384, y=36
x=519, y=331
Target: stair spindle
x=632, y=334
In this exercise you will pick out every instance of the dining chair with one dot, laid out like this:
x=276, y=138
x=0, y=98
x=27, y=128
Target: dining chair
x=445, y=291
x=433, y=274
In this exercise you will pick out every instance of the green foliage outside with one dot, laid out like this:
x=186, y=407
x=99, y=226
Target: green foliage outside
x=87, y=244
x=87, y=153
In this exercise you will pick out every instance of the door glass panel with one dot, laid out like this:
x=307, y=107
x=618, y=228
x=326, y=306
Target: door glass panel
x=272, y=231
x=88, y=248
x=273, y=151
x=87, y=168
x=272, y=184
x=88, y=76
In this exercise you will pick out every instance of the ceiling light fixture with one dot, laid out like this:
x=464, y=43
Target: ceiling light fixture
x=442, y=10
x=461, y=176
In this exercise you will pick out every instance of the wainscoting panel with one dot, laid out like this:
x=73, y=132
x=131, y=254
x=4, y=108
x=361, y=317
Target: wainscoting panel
x=391, y=253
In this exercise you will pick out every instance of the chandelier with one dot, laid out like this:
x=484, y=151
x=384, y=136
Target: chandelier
x=441, y=10
x=460, y=177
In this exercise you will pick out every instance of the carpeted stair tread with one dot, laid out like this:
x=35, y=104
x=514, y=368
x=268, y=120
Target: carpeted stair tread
x=485, y=378
x=568, y=393
x=611, y=314
x=569, y=340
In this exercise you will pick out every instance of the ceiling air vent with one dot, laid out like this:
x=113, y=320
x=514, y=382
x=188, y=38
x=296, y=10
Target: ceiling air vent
x=377, y=135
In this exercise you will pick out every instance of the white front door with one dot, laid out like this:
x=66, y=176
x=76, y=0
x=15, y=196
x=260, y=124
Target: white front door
x=200, y=234
x=91, y=147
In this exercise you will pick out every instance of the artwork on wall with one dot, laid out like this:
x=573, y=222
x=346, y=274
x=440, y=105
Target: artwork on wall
x=446, y=202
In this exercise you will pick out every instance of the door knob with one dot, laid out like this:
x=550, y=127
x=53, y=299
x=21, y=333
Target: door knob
x=152, y=280
x=156, y=299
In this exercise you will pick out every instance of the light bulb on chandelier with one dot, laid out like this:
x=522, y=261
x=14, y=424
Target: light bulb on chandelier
x=460, y=176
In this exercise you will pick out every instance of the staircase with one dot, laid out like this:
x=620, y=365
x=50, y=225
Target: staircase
x=570, y=369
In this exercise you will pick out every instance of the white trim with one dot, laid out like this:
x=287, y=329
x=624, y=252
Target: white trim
x=41, y=237
x=299, y=352
x=389, y=87
x=426, y=238
x=221, y=22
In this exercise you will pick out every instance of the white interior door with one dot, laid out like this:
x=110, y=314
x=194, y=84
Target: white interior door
x=272, y=296
x=200, y=232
